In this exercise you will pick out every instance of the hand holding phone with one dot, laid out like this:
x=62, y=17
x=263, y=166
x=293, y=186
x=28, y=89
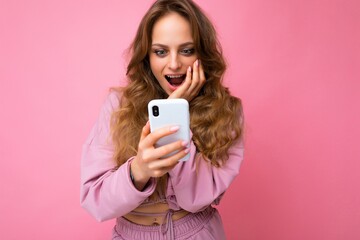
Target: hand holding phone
x=168, y=113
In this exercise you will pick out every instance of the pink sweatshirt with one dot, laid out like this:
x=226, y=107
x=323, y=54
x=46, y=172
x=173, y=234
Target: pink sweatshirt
x=107, y=192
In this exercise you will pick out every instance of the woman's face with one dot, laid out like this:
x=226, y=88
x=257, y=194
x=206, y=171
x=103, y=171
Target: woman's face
x=172, y=51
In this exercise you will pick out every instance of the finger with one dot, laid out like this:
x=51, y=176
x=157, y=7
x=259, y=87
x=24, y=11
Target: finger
x=188, y=78
x=202, y=75
x=195, y=78
x=195, y=75
x=154, y=136
x=158, y=172
x=169, y=148
x=168, y=162
x=186, y=84
x=176, y=157
x=145, y=131
x=168, y=169
x=202, y=79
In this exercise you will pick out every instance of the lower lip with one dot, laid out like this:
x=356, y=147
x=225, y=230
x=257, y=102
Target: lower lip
x=173, y=88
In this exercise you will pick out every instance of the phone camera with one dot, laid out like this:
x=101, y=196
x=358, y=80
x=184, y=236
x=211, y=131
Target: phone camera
x=155, y=110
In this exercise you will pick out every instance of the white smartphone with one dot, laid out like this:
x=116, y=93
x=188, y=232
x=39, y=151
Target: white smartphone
x=170, y=112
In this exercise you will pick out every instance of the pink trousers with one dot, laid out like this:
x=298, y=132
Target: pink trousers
x=205, y=225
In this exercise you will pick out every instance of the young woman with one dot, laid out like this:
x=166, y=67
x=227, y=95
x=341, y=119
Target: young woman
x=175, y=54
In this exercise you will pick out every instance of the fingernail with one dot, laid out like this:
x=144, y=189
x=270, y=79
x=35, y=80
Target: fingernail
x=174, y=129
x=189, y=69
x=197, y=62
x=187, y=150
x=184, y=143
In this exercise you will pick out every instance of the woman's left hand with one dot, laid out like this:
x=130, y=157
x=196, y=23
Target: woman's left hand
x=193, y=83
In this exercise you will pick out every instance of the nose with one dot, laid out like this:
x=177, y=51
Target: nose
x=174, y=62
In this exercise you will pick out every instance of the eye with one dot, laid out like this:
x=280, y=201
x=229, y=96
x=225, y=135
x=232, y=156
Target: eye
x=160, y=52
x=188, y=51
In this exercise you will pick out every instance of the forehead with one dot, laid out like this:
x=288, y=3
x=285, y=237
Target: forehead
x=171, y=29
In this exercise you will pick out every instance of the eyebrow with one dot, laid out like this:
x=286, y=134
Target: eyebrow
x=164, y=46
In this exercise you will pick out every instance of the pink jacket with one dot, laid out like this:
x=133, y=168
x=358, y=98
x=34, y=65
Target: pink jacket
x=107, y=192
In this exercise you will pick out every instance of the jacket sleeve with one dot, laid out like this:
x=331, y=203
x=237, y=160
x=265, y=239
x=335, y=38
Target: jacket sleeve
x=106, y=191
x=197, y=183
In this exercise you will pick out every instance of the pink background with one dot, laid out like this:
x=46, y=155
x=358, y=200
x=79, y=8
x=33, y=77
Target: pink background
x=295, y=64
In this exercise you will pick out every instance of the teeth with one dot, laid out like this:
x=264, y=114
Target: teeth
x=174, y=76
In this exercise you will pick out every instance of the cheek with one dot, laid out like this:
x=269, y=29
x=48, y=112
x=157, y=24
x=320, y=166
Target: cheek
x=189, y=61
x=153, y=66
x=156, y=65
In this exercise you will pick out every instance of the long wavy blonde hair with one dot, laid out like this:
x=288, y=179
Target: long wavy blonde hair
x=216, y=117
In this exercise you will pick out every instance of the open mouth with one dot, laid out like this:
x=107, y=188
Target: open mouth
x=175, y=80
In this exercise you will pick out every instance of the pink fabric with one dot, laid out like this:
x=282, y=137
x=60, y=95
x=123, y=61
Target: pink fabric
x=194, y=226
x=107, y=192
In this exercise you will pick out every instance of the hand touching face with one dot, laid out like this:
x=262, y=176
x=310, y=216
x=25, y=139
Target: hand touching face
x=193, y=83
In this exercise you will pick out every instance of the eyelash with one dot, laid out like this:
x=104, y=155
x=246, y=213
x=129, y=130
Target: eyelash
x=186, y=52
x=189, y=51
x=159, y=52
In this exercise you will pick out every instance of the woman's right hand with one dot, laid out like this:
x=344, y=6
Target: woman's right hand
x=149, y=162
